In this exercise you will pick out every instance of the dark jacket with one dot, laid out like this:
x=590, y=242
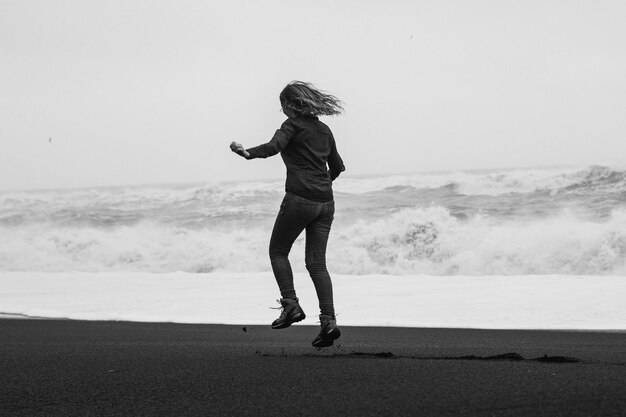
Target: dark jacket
x=306, y=146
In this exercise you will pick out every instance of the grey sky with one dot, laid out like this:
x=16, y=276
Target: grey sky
x=153, y=91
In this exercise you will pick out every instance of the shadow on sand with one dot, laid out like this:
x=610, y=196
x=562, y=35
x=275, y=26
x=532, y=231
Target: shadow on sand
x=512, y=357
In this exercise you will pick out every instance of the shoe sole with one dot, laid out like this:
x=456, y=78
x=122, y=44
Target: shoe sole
x=298, y=317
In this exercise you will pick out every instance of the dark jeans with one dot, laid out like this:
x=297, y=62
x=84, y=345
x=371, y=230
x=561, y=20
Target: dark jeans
x=297, y=214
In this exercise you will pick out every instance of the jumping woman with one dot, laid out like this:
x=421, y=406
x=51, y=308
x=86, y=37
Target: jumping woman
x=308, y=149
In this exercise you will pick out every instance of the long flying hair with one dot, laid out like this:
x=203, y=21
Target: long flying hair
x=305, y=99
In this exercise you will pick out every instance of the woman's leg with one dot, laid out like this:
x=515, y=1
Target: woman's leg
x=290, y=222
x=316, y=242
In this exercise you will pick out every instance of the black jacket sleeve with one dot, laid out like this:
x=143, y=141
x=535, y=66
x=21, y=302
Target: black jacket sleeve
x=335, y=163
x=279, y=141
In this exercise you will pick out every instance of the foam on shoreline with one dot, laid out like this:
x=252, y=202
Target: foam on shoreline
x=492, y=302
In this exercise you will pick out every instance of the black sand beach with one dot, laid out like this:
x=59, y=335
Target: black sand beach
x=77, y=368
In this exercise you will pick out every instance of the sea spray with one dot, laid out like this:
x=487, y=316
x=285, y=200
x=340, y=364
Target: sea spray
x=432, y=241
x=510, y=222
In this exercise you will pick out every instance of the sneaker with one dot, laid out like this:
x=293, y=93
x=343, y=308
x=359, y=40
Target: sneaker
x=329, y=332
x=292, y=313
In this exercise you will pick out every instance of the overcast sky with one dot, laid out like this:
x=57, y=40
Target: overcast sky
x=153, y=91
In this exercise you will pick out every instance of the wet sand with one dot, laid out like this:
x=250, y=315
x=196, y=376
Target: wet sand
x=81, y=368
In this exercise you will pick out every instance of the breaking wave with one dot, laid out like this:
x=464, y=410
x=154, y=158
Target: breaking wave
x=517, y=222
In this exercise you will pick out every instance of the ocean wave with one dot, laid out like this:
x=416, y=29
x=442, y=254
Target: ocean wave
x=499, y=182
x=142, y=247
x=526, y=221
x=184, y=205
x=408, y=241
x=50, y=205
x=597, y=179
x=432, y=241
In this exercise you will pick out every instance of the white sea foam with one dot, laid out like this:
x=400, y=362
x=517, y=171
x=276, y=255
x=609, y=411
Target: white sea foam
x=408, y=241
x=528, y=248
x=431, y=241
x=513, y=222
x=500, y=302
x=142, y=247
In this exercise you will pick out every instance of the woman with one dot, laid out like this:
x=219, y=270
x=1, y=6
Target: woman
x=308, y=149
